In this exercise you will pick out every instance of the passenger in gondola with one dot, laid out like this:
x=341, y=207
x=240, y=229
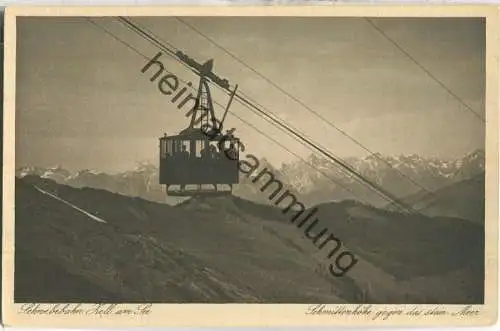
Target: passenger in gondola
x=204, y=158
x=231, y=152
x=213, y=152
x=184, y=159
x=213, y=156
x=184, y=154
x=204, y=153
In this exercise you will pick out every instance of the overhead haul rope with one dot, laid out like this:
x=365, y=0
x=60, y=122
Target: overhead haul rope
x=294, y=132
x=335, y=181
x=376, y=188
x=358, y=143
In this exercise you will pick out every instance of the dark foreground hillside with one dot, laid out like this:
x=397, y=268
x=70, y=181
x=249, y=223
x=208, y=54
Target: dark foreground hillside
x=75, y=245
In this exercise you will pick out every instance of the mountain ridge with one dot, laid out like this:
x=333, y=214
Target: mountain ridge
x=464, y=199
x=412, y=174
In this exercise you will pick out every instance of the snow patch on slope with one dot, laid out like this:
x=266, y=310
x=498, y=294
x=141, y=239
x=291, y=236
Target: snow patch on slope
x=91, y=216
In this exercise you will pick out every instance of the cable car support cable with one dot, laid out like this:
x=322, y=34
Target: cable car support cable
x=379, y=190
x=357, y=142
x=389, y=197
x=335, y=181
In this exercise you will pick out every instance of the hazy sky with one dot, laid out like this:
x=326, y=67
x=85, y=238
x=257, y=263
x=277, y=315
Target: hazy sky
x=82, y=101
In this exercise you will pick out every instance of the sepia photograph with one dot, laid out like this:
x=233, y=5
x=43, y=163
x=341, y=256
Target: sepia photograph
x=338, y=163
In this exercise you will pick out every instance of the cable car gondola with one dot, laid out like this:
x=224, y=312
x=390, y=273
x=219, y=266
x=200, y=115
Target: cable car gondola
x=200, y=155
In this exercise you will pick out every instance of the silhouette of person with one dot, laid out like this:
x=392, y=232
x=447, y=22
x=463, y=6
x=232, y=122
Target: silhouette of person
x=213, y=156
x=231, y=152
x=184, y=153
x=213, y=152
x=184, y=157
x=204, y=153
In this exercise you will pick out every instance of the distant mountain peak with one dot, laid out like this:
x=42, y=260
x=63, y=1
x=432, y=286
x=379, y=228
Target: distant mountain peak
x=56, y=167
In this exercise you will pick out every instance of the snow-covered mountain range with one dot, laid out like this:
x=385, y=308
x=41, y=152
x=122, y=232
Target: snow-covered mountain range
x=318, y=181
x=139, y=182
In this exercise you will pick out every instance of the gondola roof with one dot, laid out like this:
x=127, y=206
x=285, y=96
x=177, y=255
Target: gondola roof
x=194, y=134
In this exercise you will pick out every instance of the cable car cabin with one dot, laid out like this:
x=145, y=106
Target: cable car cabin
x=192, y=159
